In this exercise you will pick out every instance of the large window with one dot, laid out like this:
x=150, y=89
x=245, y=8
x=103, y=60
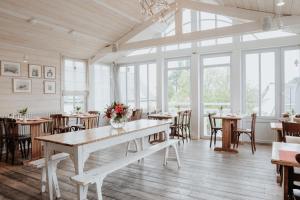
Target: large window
x=148, y=87
x=127, y=85
x=75, y=87
x=259, y=83
x=102, y=86
x=178, y=83
x=292, y=80
x=215, y=86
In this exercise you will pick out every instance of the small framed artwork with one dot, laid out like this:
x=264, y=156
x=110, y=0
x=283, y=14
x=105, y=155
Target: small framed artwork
x=10, y=68
x=49, y=87
x=21, y=85
x=35, y=71
x=49, y=72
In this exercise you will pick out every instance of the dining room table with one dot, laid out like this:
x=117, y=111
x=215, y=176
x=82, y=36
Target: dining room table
x=84, y=117
x=35, y=125
x=81, y=144
x=228, y=121
x=283, y=154
x=162, y=116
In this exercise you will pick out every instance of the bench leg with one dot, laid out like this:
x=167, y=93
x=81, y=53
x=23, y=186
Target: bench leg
x=99, y=186
x=128, y=147
x=177, y=155
x=43, y=180
x=166, y=156
x=55, y=181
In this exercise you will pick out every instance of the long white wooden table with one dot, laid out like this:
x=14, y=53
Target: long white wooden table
x=80, y=144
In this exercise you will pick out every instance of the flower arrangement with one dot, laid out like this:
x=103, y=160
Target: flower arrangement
x=118, y=113
x=23, y=112
x=77, y=109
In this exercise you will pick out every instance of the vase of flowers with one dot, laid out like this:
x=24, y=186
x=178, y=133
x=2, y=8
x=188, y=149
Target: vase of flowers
x=23, y=113
x=118, y=114
x=77, y=109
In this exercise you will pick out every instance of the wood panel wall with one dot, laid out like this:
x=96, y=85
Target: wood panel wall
x=36, y=101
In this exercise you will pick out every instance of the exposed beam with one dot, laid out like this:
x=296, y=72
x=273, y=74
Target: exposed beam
x=133, y=32
x=119, y=12
x=194, y=36
x=225, y=10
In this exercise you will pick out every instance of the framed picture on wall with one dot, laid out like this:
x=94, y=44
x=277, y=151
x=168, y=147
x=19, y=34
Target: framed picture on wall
x=10, y=68
x=49, y=72
x=21, y=85
x=35, y=71
x=49, y=87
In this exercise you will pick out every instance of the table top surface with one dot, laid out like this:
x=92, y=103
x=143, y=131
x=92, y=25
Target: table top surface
x=276, y=126
x=229, y=117
x=81, y=115
x=33, y=121
x=284, y=154
x=163, y=115
x=101, y=133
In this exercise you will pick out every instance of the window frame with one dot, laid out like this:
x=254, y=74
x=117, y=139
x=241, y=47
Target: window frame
x=277, y=80
x=84, y=93
x=166, y=80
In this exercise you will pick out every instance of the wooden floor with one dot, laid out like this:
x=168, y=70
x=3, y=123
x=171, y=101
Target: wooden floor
x=205, y=174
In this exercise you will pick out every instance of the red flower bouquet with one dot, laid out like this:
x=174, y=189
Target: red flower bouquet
x=118, y=113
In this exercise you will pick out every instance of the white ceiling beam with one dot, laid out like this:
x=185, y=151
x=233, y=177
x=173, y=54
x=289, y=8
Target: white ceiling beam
x=117, y=11
x=133, y=32
x=225, y=10
x=194, y=36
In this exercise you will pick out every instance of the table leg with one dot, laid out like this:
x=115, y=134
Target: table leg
x=226, y=137
x=79, y=164
x=49, y=170
x=36, y=147
x=286, y=170
x=279, y=136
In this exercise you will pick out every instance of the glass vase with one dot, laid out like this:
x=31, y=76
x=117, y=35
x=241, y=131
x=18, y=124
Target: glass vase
x=117, y=123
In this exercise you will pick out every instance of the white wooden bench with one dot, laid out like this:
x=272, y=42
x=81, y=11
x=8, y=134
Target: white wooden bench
x=41, y=164
x=98, y=174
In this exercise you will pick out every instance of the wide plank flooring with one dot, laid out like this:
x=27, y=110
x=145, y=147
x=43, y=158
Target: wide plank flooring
x=205, y=174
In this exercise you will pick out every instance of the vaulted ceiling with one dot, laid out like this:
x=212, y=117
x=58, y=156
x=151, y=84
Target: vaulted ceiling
x=78, y=28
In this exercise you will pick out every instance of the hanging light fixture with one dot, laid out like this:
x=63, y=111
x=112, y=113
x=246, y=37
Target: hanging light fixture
x=150, y=7
x=280, y=3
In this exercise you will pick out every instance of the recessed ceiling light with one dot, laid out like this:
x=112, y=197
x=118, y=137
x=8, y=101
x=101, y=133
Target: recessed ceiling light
x=280, y=3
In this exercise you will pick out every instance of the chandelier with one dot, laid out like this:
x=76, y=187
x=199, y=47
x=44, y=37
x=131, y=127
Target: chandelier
x=150, y=7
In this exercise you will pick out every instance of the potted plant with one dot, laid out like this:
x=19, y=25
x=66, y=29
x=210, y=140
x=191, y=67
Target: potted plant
x=221, y=110
x=77, y=109
x=23, y=113
x=118, y=114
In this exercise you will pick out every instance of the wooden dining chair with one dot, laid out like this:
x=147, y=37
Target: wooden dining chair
x=213, y=129
x=97, y=113
x=177, y=129
x=15, y=139
x=187, y=123
x=250, y=132
x=136, y=114
x=289, y=130
x=60, y=123
x=294, y=187
x=2, y=137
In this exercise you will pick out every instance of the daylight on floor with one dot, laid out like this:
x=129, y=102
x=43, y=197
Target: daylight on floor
x=150, y=99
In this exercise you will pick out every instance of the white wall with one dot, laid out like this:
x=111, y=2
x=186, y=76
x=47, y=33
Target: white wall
x=36, y=101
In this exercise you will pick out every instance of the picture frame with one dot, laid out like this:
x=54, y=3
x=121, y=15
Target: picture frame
x=10, y=68
x=49, y=72
x=49, y=87
x=35, y=71
x=21, y=85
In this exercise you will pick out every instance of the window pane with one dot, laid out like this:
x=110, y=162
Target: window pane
x=216, y=89
x=152, y=82
x=102, y=86
x=122, y=84
x=252, y=83
x=75, y=75
x=130, y=84
x=268, y=84
x=71, y=101
x=292, y=80
x=216, y=60
x=143, y=82
x=178, y=84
